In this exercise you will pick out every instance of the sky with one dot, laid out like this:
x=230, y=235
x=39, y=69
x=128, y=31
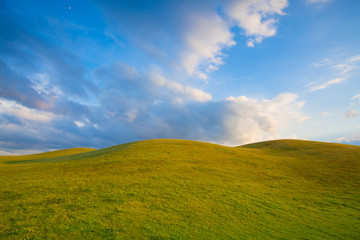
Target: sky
x=98, y=73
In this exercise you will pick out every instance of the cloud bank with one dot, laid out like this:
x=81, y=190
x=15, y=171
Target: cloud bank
x=352, y=139
x=135, y=106
x=55, y=92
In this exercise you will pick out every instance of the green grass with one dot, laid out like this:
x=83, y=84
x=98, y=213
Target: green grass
x=176, y=189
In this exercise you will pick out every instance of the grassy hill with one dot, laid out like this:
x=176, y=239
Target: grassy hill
x=177, y=189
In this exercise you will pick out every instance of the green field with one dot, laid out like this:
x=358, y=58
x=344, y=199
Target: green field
x=177, y=189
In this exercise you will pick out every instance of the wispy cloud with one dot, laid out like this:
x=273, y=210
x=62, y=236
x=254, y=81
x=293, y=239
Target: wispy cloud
x=350, y=114
x=322, y=63
x=24, y=113
x=356, y=98
x=327, y=84
x=184, y=92
x=340, y=72
x=200, y=32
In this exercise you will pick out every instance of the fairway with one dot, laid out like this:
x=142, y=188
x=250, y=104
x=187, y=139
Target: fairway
x=179, y=189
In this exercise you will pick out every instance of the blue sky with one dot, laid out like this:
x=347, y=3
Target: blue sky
x=101, y=73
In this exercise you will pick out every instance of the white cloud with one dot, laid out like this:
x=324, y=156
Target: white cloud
x=353, y=139
x=209, y=34
x=344, y=68
x=250, y=43
x=205, y=39
x=327, y=84
x=322, y=63
x=41, y=84
x=79, y=124
x=356, y=98
x=250, y=120
x=24, y=113
x=212, y=68
x=195, y=33
x=354, y=58
x=182, y=92
x=256, y=17
x=350, y=114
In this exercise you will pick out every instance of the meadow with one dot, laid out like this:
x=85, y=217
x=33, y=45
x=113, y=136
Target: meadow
x=179, y=189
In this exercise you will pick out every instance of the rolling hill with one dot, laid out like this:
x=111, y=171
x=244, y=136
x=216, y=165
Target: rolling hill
x=178, y=189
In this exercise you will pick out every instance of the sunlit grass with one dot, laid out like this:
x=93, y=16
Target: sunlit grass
x=175, y=189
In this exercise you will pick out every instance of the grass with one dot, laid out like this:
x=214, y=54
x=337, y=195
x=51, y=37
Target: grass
x=177, y=189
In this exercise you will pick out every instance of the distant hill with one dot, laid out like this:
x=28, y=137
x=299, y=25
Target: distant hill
x=178, y=189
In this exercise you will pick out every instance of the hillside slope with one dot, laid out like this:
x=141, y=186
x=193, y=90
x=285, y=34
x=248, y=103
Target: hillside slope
x=177, y=189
